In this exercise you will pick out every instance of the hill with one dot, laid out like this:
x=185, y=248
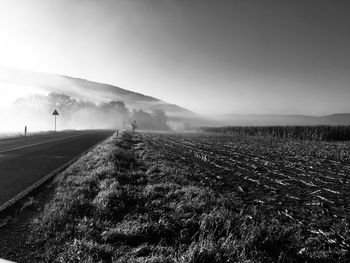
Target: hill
x=31, y=87
x=86, y=90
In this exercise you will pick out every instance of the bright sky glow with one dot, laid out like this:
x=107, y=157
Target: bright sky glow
x=209, y=56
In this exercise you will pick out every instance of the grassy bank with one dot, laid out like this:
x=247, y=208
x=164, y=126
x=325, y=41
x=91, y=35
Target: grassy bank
x=122, y=203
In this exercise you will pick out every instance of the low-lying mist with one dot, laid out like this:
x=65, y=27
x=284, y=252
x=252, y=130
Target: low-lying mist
x=29, y=98
x=35, y=112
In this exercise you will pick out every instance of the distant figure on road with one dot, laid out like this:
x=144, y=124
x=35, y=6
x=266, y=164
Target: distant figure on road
x=134, y=126
x=117, y=133
x=25, y=130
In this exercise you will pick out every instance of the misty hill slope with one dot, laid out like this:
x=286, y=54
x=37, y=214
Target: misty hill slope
x=87, y=90
x=130, y=98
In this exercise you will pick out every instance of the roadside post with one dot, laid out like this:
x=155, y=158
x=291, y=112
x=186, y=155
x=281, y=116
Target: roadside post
x=55, y=113
x=25, y=130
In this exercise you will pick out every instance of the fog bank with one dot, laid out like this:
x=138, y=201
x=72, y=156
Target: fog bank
x=35, y=112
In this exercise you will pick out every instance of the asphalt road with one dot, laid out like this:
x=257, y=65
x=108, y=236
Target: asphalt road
x=25, y=160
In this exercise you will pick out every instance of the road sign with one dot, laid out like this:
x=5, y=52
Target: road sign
x=55, y=113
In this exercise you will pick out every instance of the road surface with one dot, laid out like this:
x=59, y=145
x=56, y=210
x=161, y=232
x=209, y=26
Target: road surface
x=25, y=160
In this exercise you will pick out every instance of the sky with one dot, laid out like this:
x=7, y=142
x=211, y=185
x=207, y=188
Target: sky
x=212, y=57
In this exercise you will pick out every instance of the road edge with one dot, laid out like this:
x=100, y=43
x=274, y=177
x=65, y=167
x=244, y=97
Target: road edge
x=47, y=177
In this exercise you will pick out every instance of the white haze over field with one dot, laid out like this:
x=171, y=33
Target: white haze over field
x=29, y=98
x=11, y=119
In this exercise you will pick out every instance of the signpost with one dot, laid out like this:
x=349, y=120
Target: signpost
x=55, y=113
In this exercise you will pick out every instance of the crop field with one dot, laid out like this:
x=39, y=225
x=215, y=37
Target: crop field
x=304, y=182
x=289, y=175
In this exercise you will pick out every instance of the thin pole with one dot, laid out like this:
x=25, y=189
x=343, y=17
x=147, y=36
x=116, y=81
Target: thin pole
x=55, y=122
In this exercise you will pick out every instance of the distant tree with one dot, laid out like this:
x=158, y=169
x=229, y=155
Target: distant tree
x=122, y=110
x=156, y=120
x=159, y=116
x=81, y=113
x=134, y=126
x=61, y=102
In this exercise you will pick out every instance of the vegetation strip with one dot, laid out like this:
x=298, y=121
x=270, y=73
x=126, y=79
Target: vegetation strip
x=312, y=133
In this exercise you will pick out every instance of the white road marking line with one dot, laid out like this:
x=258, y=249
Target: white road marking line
x=34, y=144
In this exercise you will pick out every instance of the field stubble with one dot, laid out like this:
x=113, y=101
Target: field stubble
x=304, y=182
x=269, y=171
